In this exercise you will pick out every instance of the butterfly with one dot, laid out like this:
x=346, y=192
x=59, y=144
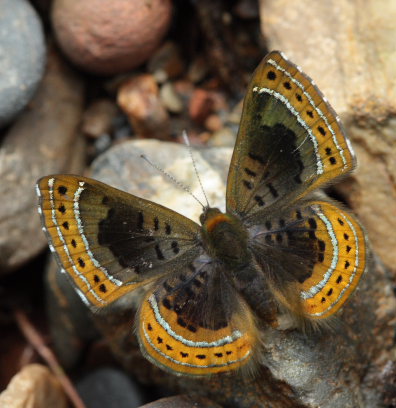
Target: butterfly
x=280, y=247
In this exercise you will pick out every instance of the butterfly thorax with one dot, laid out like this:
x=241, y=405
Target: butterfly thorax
x=224, y=237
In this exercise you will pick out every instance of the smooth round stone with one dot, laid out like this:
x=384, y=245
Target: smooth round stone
x=110, y=37
x=109, y=388
x=22, y=51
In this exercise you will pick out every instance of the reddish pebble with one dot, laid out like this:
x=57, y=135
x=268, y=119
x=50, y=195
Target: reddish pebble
x=110, y=37
x=201, y=105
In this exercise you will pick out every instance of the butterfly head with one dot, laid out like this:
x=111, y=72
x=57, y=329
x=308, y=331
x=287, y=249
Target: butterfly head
x=209, y=213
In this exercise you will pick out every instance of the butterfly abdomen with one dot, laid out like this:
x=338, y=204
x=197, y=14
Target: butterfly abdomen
x=225, y=238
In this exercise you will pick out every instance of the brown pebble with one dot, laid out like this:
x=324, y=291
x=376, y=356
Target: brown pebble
x=139, y=98
x=201, y=105
x=198, y=69
x=166, y=63
x=98, y=118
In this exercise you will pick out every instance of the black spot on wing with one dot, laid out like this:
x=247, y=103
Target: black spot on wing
x=250, y=172
x=62, y=190
x=175, y=247
x=256, y=158
x=248, y=184
x=272, y=190
x=259, y=200
x=159, y=253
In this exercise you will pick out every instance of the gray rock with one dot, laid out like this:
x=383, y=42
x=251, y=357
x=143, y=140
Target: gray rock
x=44, y=140
x=109, y=388
x=181, y=401
x=123, y=168
x=22, y=56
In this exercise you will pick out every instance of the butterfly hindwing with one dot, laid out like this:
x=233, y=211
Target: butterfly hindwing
x=108, y=241
x=313, y=257
x=195, y=323
x=289, y=143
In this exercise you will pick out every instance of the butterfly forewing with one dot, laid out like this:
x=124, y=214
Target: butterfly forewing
x=289, y=142
x=109, y=241
x=195, y=323
x=312, y=255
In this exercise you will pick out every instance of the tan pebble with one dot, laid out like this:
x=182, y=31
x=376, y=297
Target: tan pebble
x=33, y=386
x=213, y=123
x=170, y=99
x=98, y=118
x=139, y=98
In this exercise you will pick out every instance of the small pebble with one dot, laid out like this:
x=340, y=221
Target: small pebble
x=170, y=99
x=139, y=98
x=201, y=105
x=184, y=88
x=166, y=63
x=198, y=70
x=213, y=123
x=98, y=118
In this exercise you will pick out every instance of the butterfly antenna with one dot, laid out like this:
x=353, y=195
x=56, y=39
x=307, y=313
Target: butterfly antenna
x=187, y=142
x=173, y=179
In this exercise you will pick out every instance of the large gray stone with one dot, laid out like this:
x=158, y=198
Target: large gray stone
x=22, y=56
